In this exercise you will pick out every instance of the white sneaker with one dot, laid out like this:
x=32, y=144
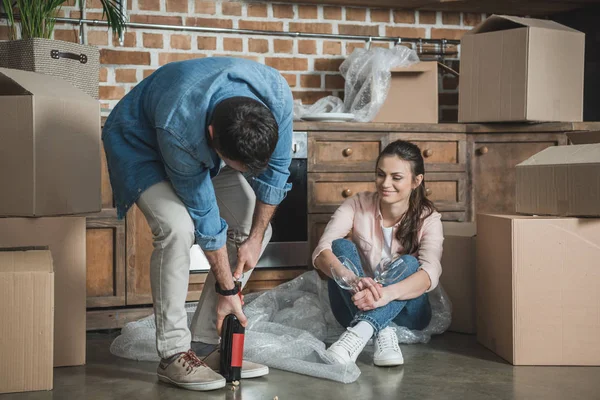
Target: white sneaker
x=387, y=350
x=347, y=348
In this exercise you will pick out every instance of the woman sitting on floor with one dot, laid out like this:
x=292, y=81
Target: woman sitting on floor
x=395, y=221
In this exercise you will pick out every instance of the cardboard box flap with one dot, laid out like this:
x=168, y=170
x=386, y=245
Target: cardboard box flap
x=12, y=260
x=422, y=66
x=563, y=155
x=584, y=137
x=8, y=87
x=38, y=84
x=505, y=22
x=466, y=229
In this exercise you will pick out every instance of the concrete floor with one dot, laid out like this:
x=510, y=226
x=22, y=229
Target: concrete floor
x=451, y=366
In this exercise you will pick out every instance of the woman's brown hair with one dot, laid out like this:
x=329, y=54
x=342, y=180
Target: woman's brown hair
x=419, y=206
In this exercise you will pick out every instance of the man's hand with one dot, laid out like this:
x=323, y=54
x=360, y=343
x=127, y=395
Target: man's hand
x=247, y=256
x=365, y=300
x=229, y=305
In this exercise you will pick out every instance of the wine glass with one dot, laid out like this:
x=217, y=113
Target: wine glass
x=347, y=278
x=387, y=271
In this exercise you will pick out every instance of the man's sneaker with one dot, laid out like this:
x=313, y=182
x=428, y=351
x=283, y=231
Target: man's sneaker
x=249, y=369
x=347, y=348
x=387, y=351
x=187, y=371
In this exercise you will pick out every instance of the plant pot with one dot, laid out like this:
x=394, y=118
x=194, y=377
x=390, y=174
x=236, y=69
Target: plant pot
x=75, y=63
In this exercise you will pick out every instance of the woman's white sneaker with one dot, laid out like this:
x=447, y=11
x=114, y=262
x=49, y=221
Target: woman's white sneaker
x=347, y=348
x=387, y=350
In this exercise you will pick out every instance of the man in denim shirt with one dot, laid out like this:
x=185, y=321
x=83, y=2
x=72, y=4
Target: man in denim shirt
x=203, y=148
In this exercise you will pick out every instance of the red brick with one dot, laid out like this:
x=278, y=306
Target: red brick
x=287, y=64
x=310, y=97
x=307, y=12
x=205, y=7
x=111, y=92
x=350, y=46
x=283, y=11
x=404, y=16
x=290, y=78
x=4, y=32
x=129, y=40
x=69, y=35
x=149, y=5
x=283, y=45
x=153, y=40
x=365, y=30
x=328, y=64
x=450, y=18
x=103, y=74
x=450, y=83
x=447, y=33
x=253, y=58
x=332, y=13
x=261, y=25
x=207, y=43
x=209, y=22
x=75, y=14
x=334, y=48
x=97, y=38
x=181, y=42
x=334, y=82
x=258, y=45
x=97, y=4
x=125, y=75
x=257, y=10
x=310, y=81
x=231, y=8
x=180, y=6
x=233, y=44
x=124, y=57
x=155, y=19
x=427, y=17
x=471, y=19
x=310, y=27
x=400, y=31
x=165, y=58
x=96, y=15
x=380, y=15
x=449, y=115
x=148, y=72
x=448, y=99
x=307, y=47
x=356, y=14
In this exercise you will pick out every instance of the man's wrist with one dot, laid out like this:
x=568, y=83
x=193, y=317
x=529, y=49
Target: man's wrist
x=228, y=290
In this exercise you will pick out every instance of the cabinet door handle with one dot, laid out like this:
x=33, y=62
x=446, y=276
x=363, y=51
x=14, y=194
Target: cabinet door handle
x=483, y=150
x=428, y=192
x=347, y=152
x=347, y=193
x=427, y=153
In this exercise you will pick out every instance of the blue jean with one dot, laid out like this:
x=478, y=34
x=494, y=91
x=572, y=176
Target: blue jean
x=412, y=314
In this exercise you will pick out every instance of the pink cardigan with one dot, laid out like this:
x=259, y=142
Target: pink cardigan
x=361, y=215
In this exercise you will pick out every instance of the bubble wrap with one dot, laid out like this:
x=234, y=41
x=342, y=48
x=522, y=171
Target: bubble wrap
x=328, y=104
x=367, y=74
x=288, y=327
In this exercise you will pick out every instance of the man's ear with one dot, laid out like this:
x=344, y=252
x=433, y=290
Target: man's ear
x=211, y=132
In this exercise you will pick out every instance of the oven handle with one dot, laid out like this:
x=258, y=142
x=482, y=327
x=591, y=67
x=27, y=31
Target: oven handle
x=299, y=148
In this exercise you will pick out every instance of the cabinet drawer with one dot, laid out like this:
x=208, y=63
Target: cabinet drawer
x=438, y=152
x=326, y=191
x=442, y=191
x=346, y=155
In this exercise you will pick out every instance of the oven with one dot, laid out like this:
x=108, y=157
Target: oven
x=289, y=243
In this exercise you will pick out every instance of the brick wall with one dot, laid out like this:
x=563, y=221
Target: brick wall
x=309, y=65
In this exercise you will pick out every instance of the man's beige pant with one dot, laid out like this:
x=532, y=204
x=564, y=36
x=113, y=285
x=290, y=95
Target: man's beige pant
x=173, y=235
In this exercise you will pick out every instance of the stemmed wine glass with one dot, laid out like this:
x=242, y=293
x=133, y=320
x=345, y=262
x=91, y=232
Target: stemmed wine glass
x=388, y=270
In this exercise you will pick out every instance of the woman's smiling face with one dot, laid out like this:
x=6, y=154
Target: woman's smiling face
x=394, y=180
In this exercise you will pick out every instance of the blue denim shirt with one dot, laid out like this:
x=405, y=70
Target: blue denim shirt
x=158, y=131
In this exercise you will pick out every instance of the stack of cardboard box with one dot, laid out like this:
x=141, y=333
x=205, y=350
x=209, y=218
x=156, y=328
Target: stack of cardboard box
x=50, y=171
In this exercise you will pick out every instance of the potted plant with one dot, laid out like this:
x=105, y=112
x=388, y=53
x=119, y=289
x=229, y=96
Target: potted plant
x=31, y=24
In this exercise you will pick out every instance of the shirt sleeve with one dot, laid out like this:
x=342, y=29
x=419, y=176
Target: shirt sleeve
x=192, y=183
x=271, y=186
x=430, y=248
x=339, y=226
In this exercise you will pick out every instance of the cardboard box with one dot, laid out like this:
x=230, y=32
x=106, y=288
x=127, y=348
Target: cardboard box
x=560, y=180
x=521, y=69
x=413, y=95
x=583, y=137
x=26, y=312
x=66, y=239
x=538, y=289
x=458, y=274
x=50, y=152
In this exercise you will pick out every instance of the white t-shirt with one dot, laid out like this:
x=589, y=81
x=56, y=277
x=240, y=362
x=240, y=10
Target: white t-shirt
x=386, y=250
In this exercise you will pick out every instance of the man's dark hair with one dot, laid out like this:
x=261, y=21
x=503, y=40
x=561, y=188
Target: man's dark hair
x=244, y=130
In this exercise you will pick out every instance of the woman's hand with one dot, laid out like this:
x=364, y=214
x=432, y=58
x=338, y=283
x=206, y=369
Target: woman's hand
x=365, y=300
